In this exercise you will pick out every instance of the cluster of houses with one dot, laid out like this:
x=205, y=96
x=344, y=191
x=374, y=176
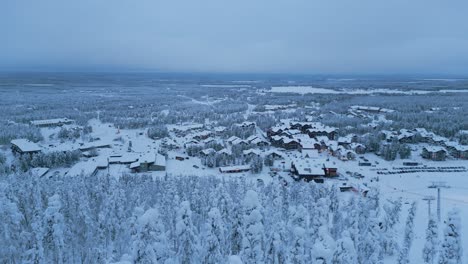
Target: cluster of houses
x=305, y=136
x=136, y=162
x=439, y=149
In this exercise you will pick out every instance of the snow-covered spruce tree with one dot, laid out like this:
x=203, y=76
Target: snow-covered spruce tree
x=451, y=251
x=150, y=242
x=298, y=237
x=324, y=246
x=369, y=232
x=390, y=217
x=318, y=217
x=403, y=257
x=186, y=236
x=338, y=222
x=432, y=242
x=10, y=229
x=276, y=250
x=111, y=213
x=345, y=253
x=235, y=233
x=54, y=244
x=252, y=241
x=36, y=253
x=213, y=238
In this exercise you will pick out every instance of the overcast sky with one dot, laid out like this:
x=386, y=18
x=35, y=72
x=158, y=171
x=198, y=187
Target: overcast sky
x=271, y=36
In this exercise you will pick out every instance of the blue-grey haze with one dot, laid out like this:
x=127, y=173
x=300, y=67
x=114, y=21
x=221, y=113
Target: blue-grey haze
x=275, y=36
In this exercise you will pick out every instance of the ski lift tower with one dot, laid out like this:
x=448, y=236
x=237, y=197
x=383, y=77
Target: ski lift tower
x=438, y=185
x=429, y=199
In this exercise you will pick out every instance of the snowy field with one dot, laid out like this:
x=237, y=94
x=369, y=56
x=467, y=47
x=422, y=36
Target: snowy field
x=315, y=90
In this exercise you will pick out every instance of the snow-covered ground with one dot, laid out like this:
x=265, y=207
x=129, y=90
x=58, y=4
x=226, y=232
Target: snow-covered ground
x=316, y=90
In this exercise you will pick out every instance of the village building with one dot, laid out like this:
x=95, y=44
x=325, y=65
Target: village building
x=124, y=158
x=246, y=125
x=225, y=152
x=52, y=122
x=220, y=130
x=207, y=152
x=202, y=135
x=329, y=132
x=358, y=148
x=182, y=130
x=234, y=169
x=24, y=146
x=250, y=153
x=345, y=141
x=191, y=142
x=309, y=153
x=341, y=152
x=406, y=136
x=39, y=172
x=90, y=167
x=456, y=150
x=273, y=154
x=312, y=169
x=434, y=153
x=276, y=130
x=288, y=143
x=371, y=109
x=149, y=162
x=259, y=142
x=388, y=136
x=95, y=145
x=232, y=139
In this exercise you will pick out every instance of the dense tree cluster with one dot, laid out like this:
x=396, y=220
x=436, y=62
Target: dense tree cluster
x=205, y=220
x=11, y=131
x=50, y=160
x=158, y=131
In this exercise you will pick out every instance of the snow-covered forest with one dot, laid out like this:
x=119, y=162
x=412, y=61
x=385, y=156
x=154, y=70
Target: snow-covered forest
x=206, y=220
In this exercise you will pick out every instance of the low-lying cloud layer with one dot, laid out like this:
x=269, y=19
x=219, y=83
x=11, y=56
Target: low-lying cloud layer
x=236, y=36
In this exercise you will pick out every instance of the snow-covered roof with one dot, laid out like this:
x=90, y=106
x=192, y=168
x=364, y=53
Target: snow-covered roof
x=356, y=145
x=220, y=129
x=309, y=144
x=239, y=141
x=274, y=152
x=345, y=140
x=85, y=168
x=96, y=144
x=208, y=151
x=55, y=121
x=26, y=145
x=187, y=127
x=251, y=138
x=434, y=149
x=225, y=151
x=251, y=151
x=279, y=127
x=246, y=124
x=235, y=168
x=276, y=138
x=258, y=140
x=309, y=167
x=287, y=140
x=231, y=139
x=124, y=158
x=39, y=172
x=310, y=153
